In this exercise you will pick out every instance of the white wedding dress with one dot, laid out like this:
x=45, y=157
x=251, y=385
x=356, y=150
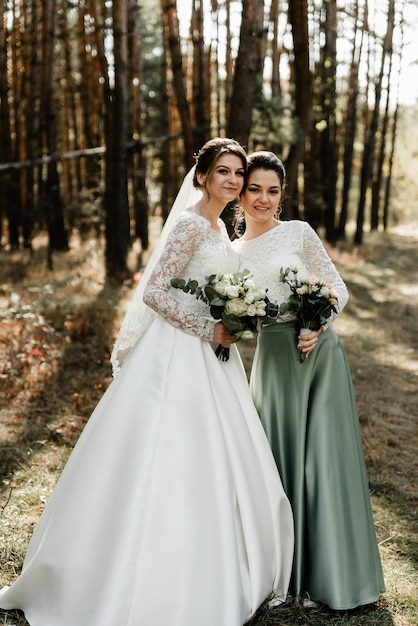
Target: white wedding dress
x=170, y=510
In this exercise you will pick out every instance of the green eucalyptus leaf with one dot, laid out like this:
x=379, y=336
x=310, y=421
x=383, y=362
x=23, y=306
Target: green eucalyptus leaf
x=217, y=301
x=178, y=283
x=193, y=285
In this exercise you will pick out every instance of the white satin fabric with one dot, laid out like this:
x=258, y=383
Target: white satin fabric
x=170, y=511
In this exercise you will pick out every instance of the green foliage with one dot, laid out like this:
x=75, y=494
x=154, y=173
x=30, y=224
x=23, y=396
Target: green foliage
x=273, y=123
x=152, y=48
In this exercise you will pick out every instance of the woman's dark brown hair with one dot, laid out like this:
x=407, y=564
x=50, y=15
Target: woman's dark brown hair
x=212, y=150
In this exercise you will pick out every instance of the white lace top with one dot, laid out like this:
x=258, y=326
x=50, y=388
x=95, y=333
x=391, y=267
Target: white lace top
x=290, y=244
x=193, y=250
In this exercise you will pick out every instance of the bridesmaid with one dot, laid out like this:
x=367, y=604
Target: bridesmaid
x=308, y=409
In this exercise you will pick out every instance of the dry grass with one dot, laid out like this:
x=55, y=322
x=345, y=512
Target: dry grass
x=55, y=337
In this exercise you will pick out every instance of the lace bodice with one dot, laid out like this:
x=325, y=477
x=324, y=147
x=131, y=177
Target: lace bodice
x=291, y=244
x=193, y=250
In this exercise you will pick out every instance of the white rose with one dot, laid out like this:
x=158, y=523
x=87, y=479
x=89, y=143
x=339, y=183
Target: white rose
x=221, y=287
x=260, y=308
x=236, y=307
x=313, y=288
x=232, y=291
x=259, y=294
x=249, y=283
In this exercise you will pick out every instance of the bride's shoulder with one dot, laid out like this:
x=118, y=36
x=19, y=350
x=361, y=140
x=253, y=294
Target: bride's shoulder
x=192, y=221
x=188, y=215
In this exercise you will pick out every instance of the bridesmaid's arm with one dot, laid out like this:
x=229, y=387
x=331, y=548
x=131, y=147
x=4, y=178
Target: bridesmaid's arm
x=319, y=264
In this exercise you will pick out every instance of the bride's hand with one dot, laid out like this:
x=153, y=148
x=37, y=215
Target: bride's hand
x=222, y=335
x=307, y=343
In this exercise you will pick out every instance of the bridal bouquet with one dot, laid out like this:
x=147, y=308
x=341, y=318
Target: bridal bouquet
x=235, y=300
x=311, y=300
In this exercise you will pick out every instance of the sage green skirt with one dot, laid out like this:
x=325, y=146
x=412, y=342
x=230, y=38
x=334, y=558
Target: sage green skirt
x=309, y=414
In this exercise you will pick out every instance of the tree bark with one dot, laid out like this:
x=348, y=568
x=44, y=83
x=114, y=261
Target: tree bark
x=387, y=52
x=329, y=147
x=350, y=125
x=247, y=80
x=370, y=143
x=50, y=189
x=8, y=189
x=117, y=116
x=136, y=159
x=172, y=39
x=201, y=104
x=302, y=97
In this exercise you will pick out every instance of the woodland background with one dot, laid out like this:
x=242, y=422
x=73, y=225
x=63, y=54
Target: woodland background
x=102, y=106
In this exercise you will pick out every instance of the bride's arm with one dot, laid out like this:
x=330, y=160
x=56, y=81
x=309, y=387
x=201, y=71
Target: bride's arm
x=180, y=247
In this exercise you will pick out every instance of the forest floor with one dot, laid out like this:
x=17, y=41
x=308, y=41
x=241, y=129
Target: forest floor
x=56, y=332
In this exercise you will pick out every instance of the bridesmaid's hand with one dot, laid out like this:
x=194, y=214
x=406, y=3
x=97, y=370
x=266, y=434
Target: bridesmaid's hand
x=307, y=343
x=222, y=335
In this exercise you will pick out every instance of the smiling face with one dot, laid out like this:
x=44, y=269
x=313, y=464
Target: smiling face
x=225, y=181
x=261, y=199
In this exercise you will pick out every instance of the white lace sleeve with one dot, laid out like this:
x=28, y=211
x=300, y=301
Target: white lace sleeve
x=158, y=295
x=319, y=264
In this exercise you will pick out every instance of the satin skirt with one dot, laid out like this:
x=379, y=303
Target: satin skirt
x=309, y=414
x=170, y=510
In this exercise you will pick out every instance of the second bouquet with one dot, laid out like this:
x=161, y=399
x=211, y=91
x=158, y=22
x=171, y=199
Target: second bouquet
x=311, y=300
x=233, y=299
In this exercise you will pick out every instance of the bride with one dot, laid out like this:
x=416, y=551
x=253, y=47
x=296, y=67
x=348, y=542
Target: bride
x=170, y=510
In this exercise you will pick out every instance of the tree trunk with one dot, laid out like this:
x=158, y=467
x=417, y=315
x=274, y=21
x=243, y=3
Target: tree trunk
x=370, y=143
x=229, y=61
x=137, y=160
x=298, y=19
x=31, y=100
x=72, y=169
x=117, y=116
x=392, y=141
x=165, y=200
x=172, y=39
x=275, y=51
x=248, y=71
x=51, y=196
x=214, y=68
x=200, y=77
x=329, y=150
x=8, y=195
x=378, y=174
x=350, y=125
x=378, y=170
